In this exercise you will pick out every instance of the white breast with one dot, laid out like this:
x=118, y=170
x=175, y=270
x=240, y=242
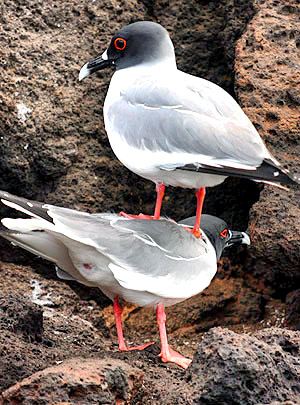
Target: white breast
x=145, y=162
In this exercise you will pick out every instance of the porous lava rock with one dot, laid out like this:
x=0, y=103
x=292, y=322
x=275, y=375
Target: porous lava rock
x=78, y=381
x=234, y=369
x=53, y=148
x=267, y=79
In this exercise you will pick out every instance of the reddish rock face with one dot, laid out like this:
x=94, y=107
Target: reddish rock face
x=267, y=79
x=79, y=381
x=53, y=148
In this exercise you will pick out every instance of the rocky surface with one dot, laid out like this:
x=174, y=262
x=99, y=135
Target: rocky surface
x=53, y=148
x=242, y=369
x=267, y=86
x=79, y=381
x=227, y=368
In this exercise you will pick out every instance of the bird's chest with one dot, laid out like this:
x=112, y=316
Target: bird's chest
x=123, y=126
x=120, y=82
x=116, y=123
x=115, y=115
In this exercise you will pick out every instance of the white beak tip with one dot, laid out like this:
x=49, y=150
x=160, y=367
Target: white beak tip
x=246, y=239
x=84, y=72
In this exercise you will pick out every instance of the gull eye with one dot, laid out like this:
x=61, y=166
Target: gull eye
x=224, y=233
x=120, y=44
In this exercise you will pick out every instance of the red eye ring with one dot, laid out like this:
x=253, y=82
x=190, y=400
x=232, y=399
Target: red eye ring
x=119, y=47
x=224, y=233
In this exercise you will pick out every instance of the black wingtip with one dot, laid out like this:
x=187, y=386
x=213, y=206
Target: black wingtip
x=32, y=207
x=279, y=174
x=267, y=172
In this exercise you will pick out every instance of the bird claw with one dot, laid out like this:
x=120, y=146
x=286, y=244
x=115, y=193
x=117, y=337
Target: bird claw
x=175, y=357
x=195, y=232
x=140, y=216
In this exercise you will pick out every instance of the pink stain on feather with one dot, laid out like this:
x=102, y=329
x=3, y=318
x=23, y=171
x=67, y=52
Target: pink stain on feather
x=87, y=266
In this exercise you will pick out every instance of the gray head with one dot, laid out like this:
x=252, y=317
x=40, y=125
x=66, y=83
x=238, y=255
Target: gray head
x=218, y=233
x=138, y=43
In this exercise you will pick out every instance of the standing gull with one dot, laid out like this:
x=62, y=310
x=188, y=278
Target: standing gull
x=147, y=263
x=174, y=128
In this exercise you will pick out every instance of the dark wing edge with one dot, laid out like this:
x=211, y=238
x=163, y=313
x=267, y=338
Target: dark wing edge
x=33, y=208
x=267, y=172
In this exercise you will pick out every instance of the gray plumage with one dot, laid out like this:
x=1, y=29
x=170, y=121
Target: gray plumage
x=145, y=262
x=171, y=127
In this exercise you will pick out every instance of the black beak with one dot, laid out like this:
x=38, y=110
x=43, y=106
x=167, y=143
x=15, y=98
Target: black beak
x=96, y=64
x=238, y=238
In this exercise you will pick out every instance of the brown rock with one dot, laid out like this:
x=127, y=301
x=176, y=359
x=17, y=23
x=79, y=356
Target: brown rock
x=281, y=403
x=58, y=152
x=293, y=307
x=267, y=74
x=25, y=319
x=78, y=381
x=240, y=369
x=34, y=336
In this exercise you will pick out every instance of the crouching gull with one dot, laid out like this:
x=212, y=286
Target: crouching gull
x=147, y=263
x=174, y=128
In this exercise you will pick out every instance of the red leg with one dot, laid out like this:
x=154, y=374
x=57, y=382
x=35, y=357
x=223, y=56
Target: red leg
x=160, y=190
x=118, y=313
x=167, y=354
x=200, y=194
x=122, y=346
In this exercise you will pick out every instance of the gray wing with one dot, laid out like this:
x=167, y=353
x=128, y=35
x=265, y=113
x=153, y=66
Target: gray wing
x=190, y=115
x=160, y=257
x=48, y=247
x=155, y=256
x=124, y=239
